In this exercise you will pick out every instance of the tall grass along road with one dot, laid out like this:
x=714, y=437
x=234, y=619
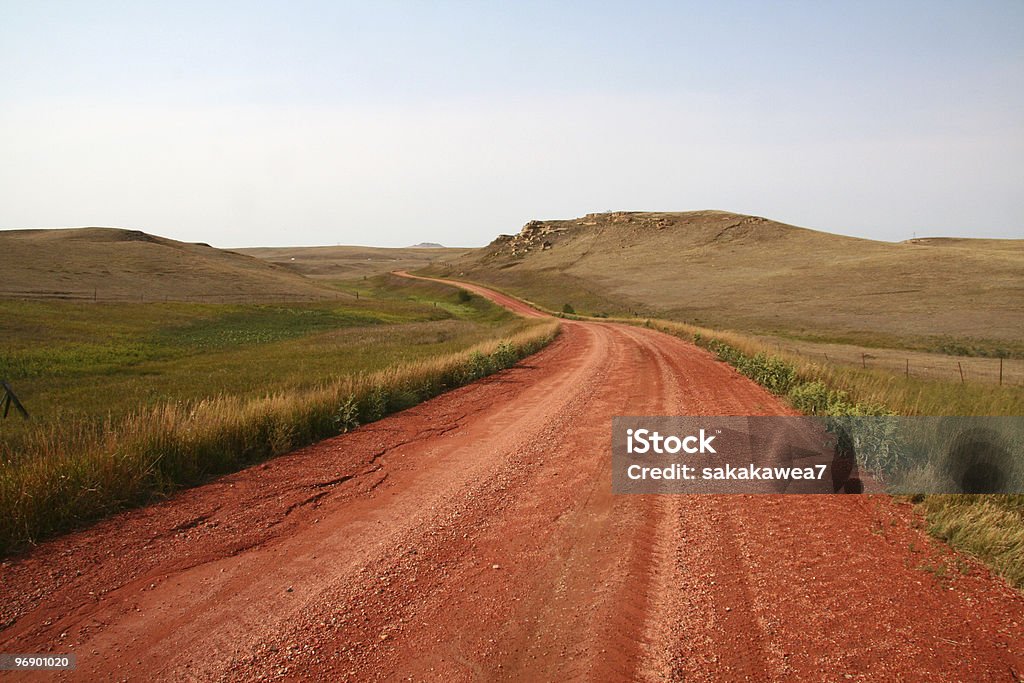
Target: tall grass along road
x=133, y=401
x=475, y=537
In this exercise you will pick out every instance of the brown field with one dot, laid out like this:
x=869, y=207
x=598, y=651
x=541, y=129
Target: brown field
x=346, y=262
x=725, y=270
x=915, y=364
x=111, y=264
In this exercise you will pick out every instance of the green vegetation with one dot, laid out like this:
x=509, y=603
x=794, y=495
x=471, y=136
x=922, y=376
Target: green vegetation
x=70, y=361
x=809, y=396
x=988, y=527
x=131, y=401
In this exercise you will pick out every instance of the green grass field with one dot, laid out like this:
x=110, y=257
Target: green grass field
x=68, y=361
x=129, y=401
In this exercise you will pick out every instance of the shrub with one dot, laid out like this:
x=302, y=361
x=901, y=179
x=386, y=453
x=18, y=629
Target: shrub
x=812, y=397
x=347, y=415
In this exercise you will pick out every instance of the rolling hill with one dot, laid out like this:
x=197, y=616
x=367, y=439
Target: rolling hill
x=117, y=264
x=729, y=270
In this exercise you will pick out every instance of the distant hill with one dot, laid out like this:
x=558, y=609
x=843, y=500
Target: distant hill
x=427, y=245
x=118, y=264
x=342, y=263
x=745, y=272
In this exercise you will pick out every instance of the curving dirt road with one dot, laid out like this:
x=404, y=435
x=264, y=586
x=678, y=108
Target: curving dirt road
x=475, y=537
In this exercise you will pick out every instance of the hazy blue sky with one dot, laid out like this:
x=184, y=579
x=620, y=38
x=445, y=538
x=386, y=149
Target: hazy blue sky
x=390, y=123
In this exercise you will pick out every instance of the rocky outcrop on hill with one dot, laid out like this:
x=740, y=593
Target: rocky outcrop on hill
x=700, y=226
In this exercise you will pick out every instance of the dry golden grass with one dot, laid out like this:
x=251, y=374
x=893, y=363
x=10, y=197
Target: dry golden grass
x=65, y=476
x=128, y=265
x=725, y=270
x=988, y=527
x=917, y=364
x=347, y=263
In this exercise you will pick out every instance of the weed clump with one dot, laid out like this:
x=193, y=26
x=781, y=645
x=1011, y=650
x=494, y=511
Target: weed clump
x=809, y=396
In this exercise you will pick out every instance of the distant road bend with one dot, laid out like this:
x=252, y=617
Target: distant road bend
x=475, y=537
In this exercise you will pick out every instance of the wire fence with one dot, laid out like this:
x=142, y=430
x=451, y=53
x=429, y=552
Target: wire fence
x=914, y=364
x=99, y=296
x=919, y=364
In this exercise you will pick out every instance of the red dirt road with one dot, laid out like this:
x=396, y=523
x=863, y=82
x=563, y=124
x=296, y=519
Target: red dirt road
x=476, y=537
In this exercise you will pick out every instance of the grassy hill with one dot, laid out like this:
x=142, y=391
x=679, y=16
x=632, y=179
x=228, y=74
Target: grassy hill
x=728, y=270
x=345, y=263
x=116, y=264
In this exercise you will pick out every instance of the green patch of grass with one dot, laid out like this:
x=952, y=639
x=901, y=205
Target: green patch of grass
x=71, y=361
x=55, y=338
x=266, y=324
x=71, y=475
x=132, y=400
x=454, y=301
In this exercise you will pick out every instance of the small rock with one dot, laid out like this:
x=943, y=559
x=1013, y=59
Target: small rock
x=495, y=566
x=288, y=590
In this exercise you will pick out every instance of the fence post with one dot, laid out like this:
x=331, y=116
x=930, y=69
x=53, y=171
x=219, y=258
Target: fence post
x=10, y=399
x=1000, y=371
x=908, y=369
x=961, y=371
x=864, y=360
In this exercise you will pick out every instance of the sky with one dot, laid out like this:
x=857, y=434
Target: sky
x=392, y=123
